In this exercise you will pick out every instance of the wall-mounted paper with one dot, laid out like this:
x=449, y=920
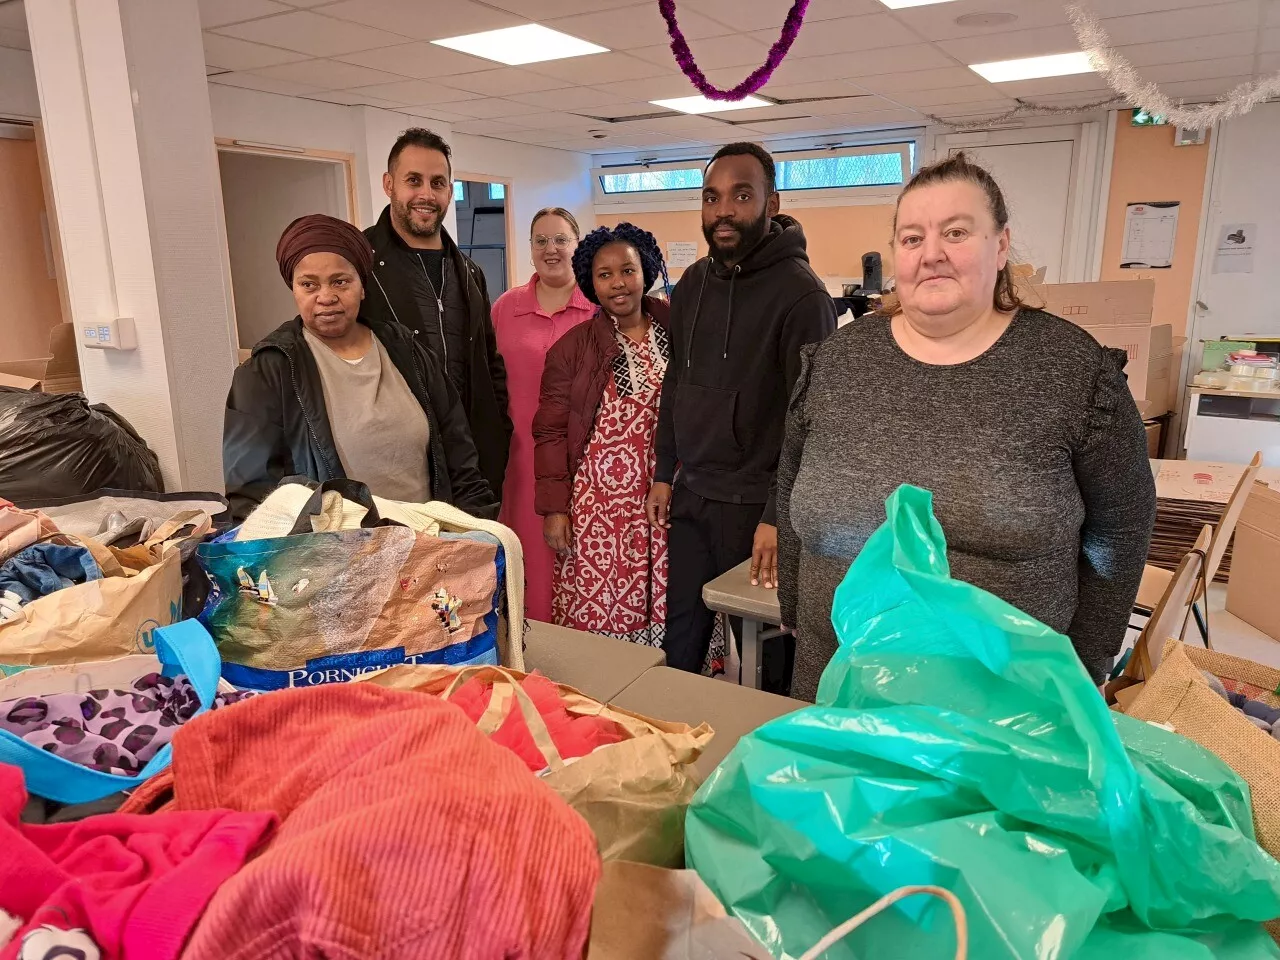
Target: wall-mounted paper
x=1234, y=253
x=681, y=254
x=1150, y=230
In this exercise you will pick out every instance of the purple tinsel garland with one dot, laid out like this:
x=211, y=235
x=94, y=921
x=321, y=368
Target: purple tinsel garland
x=758, y=78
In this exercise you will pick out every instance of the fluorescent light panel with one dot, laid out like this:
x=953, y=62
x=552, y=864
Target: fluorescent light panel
x=531, y=43
x=1034, y=68
x=903, y=4
x=701, y=104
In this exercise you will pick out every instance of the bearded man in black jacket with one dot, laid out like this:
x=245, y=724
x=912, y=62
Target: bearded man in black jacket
x=424, y=282
x=738, y=320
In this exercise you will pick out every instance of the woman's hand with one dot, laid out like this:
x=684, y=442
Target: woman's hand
x=558, y=533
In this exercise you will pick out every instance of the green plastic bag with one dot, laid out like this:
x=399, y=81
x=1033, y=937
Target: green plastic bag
x=959, y=742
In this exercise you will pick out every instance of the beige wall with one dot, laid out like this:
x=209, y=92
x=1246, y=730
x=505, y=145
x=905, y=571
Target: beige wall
x=31, y=302
x=837, y=236
x=1148, y=167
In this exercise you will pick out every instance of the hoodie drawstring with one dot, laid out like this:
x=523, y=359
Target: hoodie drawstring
x=728, y=320
x=693, y=327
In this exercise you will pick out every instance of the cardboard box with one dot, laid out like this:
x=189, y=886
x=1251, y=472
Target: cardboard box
x=1160, y=370
x=1116, y=312
x=1251, y=591
x=57, y=373
x=1155, y=432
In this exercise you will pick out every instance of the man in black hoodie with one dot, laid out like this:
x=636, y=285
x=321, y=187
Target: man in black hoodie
x=423, y=281
x=738, y=321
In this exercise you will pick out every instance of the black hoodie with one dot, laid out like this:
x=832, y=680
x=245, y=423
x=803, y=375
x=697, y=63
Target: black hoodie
x=736, y=336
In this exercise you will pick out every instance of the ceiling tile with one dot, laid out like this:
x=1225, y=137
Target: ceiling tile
x=328, y=74
x=868, y=63
x=938, y=21
x=491, y=108
x=1125, y=8
x=306, y=3
x=891, y=84
x=409, y=18
x=1038, y=88
x=568, y=98
x=986, y=108
x=347, y=98
x=1268, y=63
x=748, y=15
x=504, y=81
x=600, y=66
x=560, y=122
x=1202, y=89
x=654, y=88
x=974, y=93
x=422, y=61
x=1215, y=47
x=1013, y=45
x=13, y=16
x=1199, y=70
x=1270, y=40
x=438, y=114
x=779, y=112
x=485, y=128
x=629, y=27
x=845, y=35
x=252, y=81
x=820, y=88
x=800, y=126
x=858, y=103
x=217, y=13
x=550, y=9
x=311, y=33
x=733, y=51
x=1183, y=24
x=232, y=54
x=414, y=93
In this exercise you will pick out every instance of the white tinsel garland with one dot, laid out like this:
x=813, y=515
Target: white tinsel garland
x=1121, y=76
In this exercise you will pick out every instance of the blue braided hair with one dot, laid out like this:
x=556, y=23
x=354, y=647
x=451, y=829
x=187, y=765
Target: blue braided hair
x=652, y=265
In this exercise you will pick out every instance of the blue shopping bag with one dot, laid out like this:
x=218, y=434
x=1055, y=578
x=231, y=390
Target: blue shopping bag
x=183, y=648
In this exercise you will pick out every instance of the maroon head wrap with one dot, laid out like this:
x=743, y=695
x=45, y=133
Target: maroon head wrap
x=318, y=233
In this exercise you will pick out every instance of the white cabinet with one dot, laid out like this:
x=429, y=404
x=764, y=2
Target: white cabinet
x=1227, y=427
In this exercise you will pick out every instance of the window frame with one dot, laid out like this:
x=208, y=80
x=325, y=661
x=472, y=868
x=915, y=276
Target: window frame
x=807, y=196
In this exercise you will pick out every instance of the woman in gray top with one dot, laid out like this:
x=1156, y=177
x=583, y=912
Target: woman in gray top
x=1019, y=422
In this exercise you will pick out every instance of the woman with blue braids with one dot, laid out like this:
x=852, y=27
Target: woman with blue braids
x=594, y=443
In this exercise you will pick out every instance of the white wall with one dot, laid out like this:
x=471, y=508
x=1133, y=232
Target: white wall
x=18, y=97
x=262, y=195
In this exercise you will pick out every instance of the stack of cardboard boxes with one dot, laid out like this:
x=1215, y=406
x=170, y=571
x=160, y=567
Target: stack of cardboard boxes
x=1118, y=314
x=57, y=373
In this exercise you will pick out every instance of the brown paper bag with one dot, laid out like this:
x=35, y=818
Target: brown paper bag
x=648, y=913
x=99, y=620
x=1178, y=695
x=633, y=793
x=21, y=528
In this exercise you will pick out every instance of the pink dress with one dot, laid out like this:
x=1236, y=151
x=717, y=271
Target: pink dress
x=525, y=333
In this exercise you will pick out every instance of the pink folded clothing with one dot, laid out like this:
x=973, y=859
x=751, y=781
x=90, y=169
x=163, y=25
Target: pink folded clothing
x=116, y=886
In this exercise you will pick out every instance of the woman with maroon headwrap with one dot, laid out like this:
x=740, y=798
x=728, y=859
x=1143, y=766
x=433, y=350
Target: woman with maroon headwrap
x=332, y=394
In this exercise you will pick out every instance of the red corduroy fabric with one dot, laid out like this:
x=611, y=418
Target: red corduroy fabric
x=405, y=833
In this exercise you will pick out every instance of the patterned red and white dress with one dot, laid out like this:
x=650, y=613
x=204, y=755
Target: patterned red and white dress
x=615, y=581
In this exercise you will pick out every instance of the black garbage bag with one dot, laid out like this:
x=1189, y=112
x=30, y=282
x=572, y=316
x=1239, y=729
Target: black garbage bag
x=58, y=445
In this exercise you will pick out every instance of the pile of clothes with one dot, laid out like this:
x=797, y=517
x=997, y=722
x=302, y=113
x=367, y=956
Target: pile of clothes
x=348, y=821
x=1262, y=716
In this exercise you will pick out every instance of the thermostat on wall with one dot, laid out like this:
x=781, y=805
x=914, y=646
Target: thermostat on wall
x=115, y=334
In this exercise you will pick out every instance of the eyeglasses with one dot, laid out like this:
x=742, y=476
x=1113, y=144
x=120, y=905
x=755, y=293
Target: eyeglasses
x=559, y=241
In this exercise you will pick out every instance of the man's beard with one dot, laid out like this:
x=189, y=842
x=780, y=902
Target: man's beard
x=403, y=217
x=749, y=234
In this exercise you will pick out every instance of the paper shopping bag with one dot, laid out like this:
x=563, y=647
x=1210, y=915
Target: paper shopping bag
x=634, y=793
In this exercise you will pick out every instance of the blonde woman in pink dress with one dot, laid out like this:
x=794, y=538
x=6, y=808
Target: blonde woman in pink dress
x=527, y=321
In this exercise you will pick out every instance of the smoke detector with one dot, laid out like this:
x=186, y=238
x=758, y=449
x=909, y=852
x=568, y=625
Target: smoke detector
x=986, y=19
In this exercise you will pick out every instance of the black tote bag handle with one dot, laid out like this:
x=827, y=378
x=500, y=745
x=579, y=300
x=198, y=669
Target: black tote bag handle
x=352, y=490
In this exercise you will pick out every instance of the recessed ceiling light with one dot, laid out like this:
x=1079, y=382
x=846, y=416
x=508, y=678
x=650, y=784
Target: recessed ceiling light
x=701, y=104
x=531, y=43
x=1034, y=68
x=902, y=4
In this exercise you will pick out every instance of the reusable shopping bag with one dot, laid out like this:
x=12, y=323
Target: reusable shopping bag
x=958, y=742
x=633, y=793
x=182, y=648
x=312, y=608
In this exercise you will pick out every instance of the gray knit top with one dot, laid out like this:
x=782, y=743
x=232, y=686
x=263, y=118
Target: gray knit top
x=1035, y=454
